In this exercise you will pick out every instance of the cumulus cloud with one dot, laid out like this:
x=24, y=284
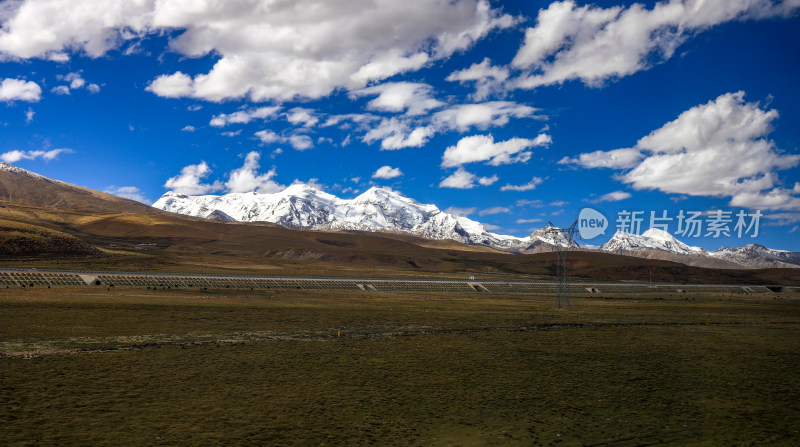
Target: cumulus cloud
x=176, y=85
x=20, y=90
x=190, y=181
x=244, y=116
x=266, y=50
x=531, y=185
x=301, y=116
x=297, y=141
x=188, y=129
x=595, y=44
x=478, y=148
x=247, y=178
x=29, y=115
x=482, y=115
x=414, y=98
x=60, y=90
x=75, y=82
x=15, y=155
x=615, y=196
x=463, y=179
x=488, y=79
x=128, y=192
x=397, y=134
x=717, y=149
x=301, y=142
x=614, y=159
x=267, y=136
x=387, y=172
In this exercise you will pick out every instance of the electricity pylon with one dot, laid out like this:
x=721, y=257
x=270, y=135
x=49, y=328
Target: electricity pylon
x=562, y=300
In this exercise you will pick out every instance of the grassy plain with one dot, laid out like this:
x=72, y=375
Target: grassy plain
x=146, y=367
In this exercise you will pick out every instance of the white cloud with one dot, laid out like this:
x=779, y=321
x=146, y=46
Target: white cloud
x=360, y=119
x=129, y=192
x=247, y=178
x=483, y=115
x=533, y=203
x=266, y=49
x=397, y=134
x=414, y=98
x=15, y=156
x=488, y=79
x=301, y=142
x=531, y=185
x=615, y=196
x=93, y=88
x=462, y=179
x=29, y=115
x=176, y=85
x=60, y=90
x=267, y=136
x=188, y=129
x=717, y=149
x=614, y=159
x=460, y=212
x=483, y=148
x=297, y=141
x=189, y=181
x=488, y=181
x=494, y=210
x=75, y=79
x=387, y=172
x=299, y=115
x=244, y=116
x=527, y=221
x=20, y=90
x=231, y=133
x=594, y=44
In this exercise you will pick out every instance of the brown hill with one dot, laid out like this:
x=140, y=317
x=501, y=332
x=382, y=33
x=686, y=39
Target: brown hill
x=24, y=241
x=22, y=186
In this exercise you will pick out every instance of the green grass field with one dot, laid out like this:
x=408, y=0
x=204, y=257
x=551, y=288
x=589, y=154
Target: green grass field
x=145, y=367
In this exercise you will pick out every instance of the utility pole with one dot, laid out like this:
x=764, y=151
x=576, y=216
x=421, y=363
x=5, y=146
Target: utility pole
x=562, y=300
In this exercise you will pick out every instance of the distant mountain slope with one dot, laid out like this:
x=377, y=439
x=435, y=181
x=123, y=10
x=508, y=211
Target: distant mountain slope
x=652, y=239
x=23, y=186
x=658, y=244
x=758, y=256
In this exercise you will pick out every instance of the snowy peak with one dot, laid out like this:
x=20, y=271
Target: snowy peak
x=13, y=169
x=758, y=256
x=304, y=207
x=652, y=239
x=548, y=236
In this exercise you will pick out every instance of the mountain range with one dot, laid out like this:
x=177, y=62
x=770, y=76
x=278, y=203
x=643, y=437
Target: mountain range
x=90, y=215
x=383, y=210
x=303, y=207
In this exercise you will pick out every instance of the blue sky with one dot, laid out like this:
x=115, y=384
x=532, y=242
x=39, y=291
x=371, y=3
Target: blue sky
x=512, y=113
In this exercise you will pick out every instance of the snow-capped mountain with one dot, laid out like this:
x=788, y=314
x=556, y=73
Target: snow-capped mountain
x=756, y=255
x=301, y=206
x=652, y=239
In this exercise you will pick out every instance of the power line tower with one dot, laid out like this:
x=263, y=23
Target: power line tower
x=562, y=300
